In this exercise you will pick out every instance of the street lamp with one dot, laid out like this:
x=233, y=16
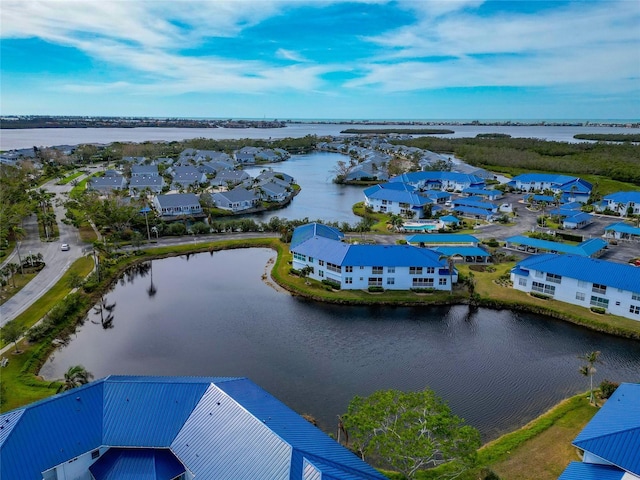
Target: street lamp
x=19, y=257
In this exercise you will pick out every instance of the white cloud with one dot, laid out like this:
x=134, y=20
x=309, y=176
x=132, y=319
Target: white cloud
x=290, y=55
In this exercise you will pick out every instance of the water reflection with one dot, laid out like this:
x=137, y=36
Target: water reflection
x=497, y=369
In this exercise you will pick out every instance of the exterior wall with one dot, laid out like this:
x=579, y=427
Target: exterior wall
x=570, y=290
x=389, y=278
x=75, y=468
x=389, y=206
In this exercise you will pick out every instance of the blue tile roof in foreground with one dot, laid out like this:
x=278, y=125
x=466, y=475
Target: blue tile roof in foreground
x=390, y=255
x=590, y=471
x=464, y=251
x=216, y=427
x=623, y=197
x=616, y=275
x=442, y=238
x=305, y=232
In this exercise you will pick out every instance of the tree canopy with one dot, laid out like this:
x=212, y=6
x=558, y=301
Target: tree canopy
x=409, y=431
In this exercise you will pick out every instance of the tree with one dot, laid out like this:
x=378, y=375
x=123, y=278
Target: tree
x=75, y=377
x=589, y=370
x=305, y=272
x=410, y=431
x=395, y=222
x=12, y=332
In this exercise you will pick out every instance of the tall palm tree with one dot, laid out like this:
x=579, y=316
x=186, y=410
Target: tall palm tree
x=589, y=370
x=75, y=377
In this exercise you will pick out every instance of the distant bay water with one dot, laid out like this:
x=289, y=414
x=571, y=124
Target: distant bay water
x=48, y=137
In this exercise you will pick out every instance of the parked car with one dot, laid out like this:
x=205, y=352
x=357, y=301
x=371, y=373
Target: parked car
x=65, y=247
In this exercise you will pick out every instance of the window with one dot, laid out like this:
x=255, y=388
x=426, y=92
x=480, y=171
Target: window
x=422, y=282
x=321, y=263
x=543, y=288
x=333, y=267
x=635, y=309
x=320, y=273
x=553, y=278
x=95, y=454
x=348, y=280
x=442, y=281
x=348, y=269
x=377, y=270
x=375, y=281
x=522, y=282
x=415, y=270
x=599, y=302
x=431, y=270
x=580, y=296
x=385, y=202
x=391, y=281
x=539, y=274
x=310, y=259
x=597, y=288
x=391, y=269
x=635, y=296
x=299, y=256
x=583, y=284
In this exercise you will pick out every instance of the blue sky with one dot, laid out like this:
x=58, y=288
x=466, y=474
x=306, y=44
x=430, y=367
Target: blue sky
x=286, y=59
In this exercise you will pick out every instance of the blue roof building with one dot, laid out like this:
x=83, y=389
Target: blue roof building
x=396, y=198
x=593, y=247
x=354, y=266
x=168, y=428
x=582, y=281
x=622, y=231
x=452, y=181
x=573, y=187
x=611, y=440
x=621, y=202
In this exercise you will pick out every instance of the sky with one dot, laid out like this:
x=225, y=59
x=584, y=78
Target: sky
x=322, y=59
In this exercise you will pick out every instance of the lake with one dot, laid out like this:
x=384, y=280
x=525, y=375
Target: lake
x=212, y=314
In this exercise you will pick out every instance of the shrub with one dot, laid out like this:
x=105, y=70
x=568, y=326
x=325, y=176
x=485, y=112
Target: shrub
x=176, y=229
x=598, y=310
x=423, y=290
x=331, y=283
x=492, y=242
x=374, y=289
x=607, y=388
x=200, y=228
x=540, y=295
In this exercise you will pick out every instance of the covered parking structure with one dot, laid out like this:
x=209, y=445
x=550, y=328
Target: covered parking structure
x=593, y=247
x=462, y=254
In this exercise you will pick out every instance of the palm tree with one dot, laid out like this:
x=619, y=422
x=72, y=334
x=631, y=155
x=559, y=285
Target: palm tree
x=75, y=377
x=395, y=222
x=589, y=370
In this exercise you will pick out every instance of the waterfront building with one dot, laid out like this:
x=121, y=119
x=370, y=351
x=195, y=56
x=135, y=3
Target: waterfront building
x=622, y=231
x=610, y=442
x=354, y=266
x=397, y=198
x=178, y=205
x=571, y=189
x=182, y=428
x=236, y=200
x=582, y=281
x=437, y=180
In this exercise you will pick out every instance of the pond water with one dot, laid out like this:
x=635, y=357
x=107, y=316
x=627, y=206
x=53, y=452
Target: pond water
x=212, y=314
x=319, y=197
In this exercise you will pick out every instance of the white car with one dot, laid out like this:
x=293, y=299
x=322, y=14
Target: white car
x=64, y=247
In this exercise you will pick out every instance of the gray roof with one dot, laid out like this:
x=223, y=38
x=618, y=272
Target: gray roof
x=177, y=200
x=144, y=170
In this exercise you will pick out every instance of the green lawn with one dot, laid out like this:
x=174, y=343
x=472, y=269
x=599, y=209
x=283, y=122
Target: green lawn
x=9, y=290
x=70, y=178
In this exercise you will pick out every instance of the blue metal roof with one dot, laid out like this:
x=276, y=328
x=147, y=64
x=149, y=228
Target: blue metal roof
x=473, y=211
x=623, y=197
x=390, y=256
x=623, y=228
x=417, y=177
x=307, y=440
x=464, y=251
x=616, y=275
x=234, y=430
x=326, y=249
x=543, y=177
x=137, y=464
x=577, y=185
x=543, y=198
x=482, y=192
x=149, y=413
x=579, y=218
x=305, y=232
x=405, y=195
x=585, y=249
x=590, y=471
x=613, y=434
x=440, y=238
